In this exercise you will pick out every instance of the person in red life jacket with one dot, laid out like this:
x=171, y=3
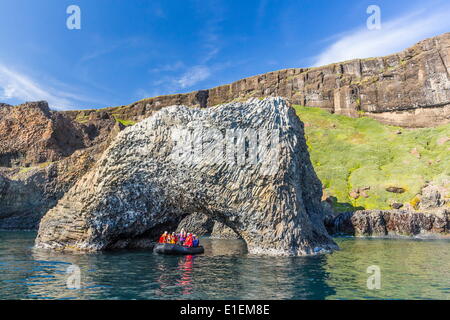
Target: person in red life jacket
x=163, y=237
x=188, y=242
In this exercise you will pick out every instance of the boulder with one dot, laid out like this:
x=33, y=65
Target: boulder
x=395, y=189
x=396, y=205
x=432, y=197
x=244, y=164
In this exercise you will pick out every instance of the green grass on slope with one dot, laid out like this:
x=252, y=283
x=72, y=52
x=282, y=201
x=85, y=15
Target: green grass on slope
x=349, y=153
x=126, y=123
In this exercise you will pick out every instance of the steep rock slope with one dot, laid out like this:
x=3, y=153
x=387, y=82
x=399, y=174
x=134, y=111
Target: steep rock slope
x=42, y=154
x=410, y=88
x=245, y=165
x=31, y=133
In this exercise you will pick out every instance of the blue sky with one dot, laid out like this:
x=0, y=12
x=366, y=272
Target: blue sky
x=129, y=50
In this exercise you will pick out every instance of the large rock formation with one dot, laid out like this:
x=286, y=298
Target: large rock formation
x=42, y=154
x=246, y=165
x=410, y=88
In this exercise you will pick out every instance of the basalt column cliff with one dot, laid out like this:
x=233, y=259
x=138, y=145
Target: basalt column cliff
x=244, y=164
x=410, y=88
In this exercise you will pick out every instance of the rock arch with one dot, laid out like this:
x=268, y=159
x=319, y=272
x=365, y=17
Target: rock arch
x=245, y=164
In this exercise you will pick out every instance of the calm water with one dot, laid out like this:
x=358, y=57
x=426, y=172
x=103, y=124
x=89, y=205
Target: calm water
x=411, y=269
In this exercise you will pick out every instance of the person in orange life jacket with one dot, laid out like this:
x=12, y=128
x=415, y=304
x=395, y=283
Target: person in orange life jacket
x=163, y=237
x=188, y=242
x=173, y=238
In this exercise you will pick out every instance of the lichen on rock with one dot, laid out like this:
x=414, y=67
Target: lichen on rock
x=244, y=164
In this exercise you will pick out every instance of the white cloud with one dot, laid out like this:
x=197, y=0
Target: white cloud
x=193, y=76
x=16, y=86
x=395, y=35
x=171, y=67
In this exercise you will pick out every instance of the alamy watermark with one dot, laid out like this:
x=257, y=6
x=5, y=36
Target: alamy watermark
x=73, y=22
x=74, y=279
x=374, y=20
x=374, y=280
x=232, y=147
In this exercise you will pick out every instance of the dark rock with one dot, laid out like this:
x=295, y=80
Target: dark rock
x=201, y=224
x=202, y=98
x=396, y=205
x=380, y=223
x=395, y=190
x=39, y=135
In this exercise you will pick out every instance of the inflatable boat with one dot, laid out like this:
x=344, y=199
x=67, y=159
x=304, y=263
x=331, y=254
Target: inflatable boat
x=175, y=249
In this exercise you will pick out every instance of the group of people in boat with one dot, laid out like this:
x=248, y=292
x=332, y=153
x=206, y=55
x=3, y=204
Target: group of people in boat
x=183, y=239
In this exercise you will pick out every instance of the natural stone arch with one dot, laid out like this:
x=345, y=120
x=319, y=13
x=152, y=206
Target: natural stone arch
x=180, y=161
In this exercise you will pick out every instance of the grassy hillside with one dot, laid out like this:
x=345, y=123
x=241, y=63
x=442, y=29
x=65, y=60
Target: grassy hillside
x=350, y=154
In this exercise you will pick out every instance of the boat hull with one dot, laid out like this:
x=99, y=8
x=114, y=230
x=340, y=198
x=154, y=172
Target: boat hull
x=175, y=249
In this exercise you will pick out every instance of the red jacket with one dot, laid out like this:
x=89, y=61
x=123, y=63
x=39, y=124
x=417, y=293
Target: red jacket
x=188, y=242
x=162, y=239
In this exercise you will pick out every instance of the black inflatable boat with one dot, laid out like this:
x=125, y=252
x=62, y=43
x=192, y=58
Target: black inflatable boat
x=175, y=249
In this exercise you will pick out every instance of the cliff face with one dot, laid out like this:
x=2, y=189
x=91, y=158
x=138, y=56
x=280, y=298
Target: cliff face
x=31, y=133
x=42, y=154
x=246, y=165
x=410, y=88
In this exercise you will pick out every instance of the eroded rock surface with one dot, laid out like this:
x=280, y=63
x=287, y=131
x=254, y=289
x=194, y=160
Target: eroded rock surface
x=222, y=231
x=42, y=154
x=382, y=223
x=201, y=224
x=39, y=135
x=264, y=189
x=197, y=223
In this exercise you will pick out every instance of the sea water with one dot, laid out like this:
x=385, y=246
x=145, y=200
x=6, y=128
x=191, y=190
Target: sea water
x=408, y=269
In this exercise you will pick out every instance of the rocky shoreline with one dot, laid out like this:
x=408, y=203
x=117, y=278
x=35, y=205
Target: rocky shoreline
x=391, y=224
